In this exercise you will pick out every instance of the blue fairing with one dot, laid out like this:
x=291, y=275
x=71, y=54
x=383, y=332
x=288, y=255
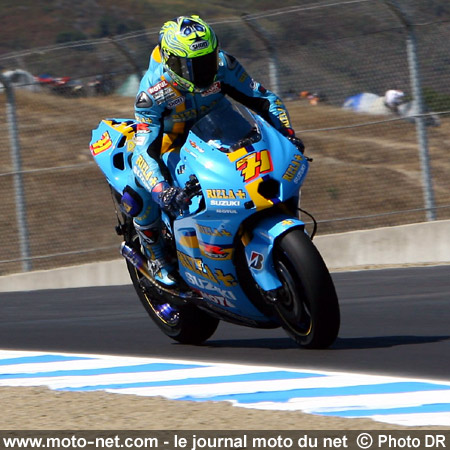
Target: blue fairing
x=244, y=166
x=112, y=145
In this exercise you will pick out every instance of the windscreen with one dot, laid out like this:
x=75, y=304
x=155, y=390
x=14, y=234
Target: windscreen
x=227, y=127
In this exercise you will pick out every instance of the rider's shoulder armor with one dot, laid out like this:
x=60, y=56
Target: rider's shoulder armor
x=227, y=60
x=233, y=74
x=156, y=91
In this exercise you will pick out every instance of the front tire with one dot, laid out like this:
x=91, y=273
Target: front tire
x=308, y=307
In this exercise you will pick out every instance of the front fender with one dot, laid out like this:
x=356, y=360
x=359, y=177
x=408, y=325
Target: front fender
x=258, y=249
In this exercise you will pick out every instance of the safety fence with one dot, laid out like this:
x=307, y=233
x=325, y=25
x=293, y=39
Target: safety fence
x=332, y=62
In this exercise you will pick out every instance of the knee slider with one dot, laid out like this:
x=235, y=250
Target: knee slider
x=131, y=202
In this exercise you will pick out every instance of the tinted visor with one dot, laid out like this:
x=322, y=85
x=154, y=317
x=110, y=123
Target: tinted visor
x=200, y=70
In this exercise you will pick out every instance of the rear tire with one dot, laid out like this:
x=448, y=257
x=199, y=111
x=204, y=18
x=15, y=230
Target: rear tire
x=308, y=307
x=188, y=324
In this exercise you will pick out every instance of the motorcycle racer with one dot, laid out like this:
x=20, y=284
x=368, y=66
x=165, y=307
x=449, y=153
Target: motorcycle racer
x=188, y=75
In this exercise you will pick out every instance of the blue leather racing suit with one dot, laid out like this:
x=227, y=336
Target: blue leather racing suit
x=166, y=112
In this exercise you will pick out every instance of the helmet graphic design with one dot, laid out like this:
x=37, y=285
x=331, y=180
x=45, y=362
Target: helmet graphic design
x=189, y=51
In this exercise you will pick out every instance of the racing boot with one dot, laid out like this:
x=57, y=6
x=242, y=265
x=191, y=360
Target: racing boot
x=153, y=249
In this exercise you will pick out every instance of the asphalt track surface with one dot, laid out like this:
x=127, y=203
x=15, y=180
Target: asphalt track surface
x=393, y=321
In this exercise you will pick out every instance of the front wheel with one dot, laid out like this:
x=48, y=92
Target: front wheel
x=307, y=305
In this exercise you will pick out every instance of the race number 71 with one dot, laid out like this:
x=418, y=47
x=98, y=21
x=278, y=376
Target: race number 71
x=254, y=165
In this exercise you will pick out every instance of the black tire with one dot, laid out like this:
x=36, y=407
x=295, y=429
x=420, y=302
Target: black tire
x=308, y=308
x=190, y=325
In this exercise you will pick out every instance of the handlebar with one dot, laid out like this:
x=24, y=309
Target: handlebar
x=192, y=187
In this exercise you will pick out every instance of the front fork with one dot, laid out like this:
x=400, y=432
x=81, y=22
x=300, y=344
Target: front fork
x=258, y=248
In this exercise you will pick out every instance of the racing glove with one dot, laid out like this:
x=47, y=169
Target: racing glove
x=170, y=198
x=290, y=134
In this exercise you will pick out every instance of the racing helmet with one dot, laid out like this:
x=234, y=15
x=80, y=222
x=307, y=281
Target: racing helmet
x=189, y=52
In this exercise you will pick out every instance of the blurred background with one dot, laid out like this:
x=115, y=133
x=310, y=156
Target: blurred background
x=366, y=83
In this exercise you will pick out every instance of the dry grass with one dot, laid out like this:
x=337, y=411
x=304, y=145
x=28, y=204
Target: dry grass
x=356, y=172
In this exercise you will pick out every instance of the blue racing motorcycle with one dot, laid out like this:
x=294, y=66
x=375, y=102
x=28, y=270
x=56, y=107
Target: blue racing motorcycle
x=243, y=254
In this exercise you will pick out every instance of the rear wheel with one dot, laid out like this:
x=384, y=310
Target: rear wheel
x=184, y=323
x=307, y=305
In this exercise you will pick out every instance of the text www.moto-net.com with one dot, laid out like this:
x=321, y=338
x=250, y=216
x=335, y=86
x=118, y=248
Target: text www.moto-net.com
x=80, y=442
x=228, y=440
